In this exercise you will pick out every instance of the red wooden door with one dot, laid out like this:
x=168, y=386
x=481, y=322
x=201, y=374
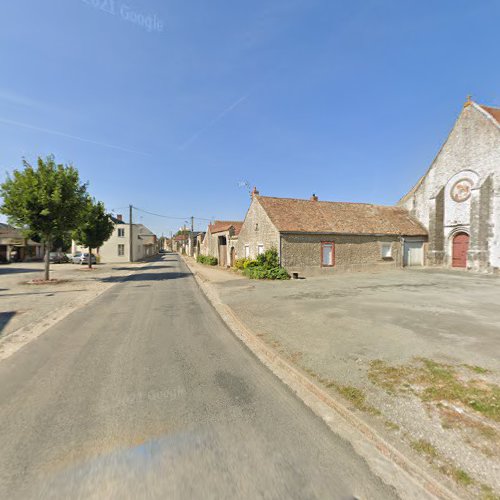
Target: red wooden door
x=460, y=248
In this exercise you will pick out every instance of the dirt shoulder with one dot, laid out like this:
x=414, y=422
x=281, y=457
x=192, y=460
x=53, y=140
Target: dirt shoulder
x=27, y=310
x=414, y=354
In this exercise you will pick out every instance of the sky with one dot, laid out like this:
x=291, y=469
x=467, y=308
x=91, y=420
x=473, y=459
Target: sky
x=175, y=106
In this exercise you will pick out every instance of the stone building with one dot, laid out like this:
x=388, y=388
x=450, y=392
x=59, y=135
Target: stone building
x=458, y=198
x=221, y=240
x=313, y=236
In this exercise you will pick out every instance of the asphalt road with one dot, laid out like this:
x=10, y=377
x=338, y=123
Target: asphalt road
x=146, y=394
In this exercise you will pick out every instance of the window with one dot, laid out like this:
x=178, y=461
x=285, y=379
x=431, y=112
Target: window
x=121, y=232
x=327, y=254
x=247, y=251
x=386, y=250
x=260, y=249
x=121, y=250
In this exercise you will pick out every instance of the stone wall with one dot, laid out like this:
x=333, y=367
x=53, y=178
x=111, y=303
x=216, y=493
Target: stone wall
x=471, y=151
x=257, y=230
x=302, y=253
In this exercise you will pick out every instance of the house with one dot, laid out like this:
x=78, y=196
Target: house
x=118, y=247
x=15, y=247
x=221, y=240
x=197, y=240
x=458, y=198
x=181, y=243
x=313, y=236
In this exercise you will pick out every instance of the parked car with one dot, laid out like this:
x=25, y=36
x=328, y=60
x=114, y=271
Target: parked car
x=58, y=257
x=83, y=258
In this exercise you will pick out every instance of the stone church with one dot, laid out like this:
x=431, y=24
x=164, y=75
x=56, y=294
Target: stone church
x=458, y=198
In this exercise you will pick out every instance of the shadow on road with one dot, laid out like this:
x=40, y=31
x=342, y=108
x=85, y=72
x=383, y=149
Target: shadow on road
x=18, y=270
x=146, y=277
x=138, y=268
x=5, y=317
x=45, y=292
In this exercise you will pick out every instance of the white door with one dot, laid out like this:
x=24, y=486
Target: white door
x=413, y=253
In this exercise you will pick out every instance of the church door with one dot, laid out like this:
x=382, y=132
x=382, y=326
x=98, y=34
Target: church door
x=460, y=249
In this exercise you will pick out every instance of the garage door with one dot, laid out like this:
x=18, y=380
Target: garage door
x=414, y=253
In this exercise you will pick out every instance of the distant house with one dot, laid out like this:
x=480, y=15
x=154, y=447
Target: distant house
x=117, y=248
x=195, y=243
x=181, y=243
x=458, y=198
x=14, y=247
x=313, y=236
x=221, y=240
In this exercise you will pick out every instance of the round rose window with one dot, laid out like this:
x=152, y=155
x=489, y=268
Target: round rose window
x=461, y=190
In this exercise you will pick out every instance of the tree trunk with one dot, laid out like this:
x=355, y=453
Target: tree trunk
x=90, y=258
x=47, y=260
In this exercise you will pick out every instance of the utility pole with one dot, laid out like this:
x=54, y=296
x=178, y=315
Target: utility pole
x=131, y=248
x=191, y=238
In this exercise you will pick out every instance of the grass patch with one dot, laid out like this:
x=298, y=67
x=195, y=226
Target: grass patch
x=477, y=369
x=424, y=447
x=459, y=475
x=433, y=381
x=391, y=425
x=487, y=493
x=354, y=395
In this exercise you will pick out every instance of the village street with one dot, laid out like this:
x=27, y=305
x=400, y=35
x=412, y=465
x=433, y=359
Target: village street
x=145, y=392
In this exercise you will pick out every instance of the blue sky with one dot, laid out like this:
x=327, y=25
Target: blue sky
x=349, y=100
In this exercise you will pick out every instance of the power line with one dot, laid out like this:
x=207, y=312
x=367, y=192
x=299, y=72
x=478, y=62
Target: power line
x=169, y=216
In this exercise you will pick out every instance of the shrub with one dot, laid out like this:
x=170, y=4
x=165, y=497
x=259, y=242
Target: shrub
x=240, y=263
x=265, y=266
x=250, y=263
x=207, y=259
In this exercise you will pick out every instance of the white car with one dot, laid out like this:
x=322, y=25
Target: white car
x=83, y=258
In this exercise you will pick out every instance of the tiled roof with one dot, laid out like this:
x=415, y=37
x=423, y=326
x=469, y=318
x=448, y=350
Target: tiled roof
x=225, y=225
x=305, y=216
x=181, y=237
x=494, y=112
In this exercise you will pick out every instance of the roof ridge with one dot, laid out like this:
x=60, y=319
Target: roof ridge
x=328, y=201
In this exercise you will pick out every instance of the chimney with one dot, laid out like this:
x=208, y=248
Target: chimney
x=255, y=192
x=314, y=197
x=119, y=217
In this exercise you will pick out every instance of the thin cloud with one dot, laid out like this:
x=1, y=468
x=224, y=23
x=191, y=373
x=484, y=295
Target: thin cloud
x=69, y=136
x=221, y=115
x=14, y=98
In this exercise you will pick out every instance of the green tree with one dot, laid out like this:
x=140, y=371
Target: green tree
x=44, y=201
x=95, y=226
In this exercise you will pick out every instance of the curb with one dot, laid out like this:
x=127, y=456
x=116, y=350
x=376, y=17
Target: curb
x=388, y=463
x=17, y=339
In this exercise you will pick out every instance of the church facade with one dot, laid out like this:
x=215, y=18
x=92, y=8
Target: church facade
x=458, y=198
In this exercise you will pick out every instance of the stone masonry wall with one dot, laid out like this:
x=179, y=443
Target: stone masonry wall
x=302, y=253
x=257, y=230
x=472, y=150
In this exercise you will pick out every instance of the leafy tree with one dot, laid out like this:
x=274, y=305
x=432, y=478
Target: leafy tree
x=44, y=201
x=95, y=226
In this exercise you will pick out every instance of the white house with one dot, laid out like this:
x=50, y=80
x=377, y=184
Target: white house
x=118, y=247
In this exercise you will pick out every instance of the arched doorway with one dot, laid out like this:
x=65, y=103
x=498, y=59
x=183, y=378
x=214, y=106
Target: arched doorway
x=460, y=247
x=232, y=256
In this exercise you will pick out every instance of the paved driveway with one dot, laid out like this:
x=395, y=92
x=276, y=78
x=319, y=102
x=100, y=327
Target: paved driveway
x=394, y=316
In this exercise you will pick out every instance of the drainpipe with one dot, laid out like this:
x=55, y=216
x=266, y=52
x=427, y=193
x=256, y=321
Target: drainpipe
x=279, y=255
x=402, y=240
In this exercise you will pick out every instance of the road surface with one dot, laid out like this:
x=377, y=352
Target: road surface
x=146, y=394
